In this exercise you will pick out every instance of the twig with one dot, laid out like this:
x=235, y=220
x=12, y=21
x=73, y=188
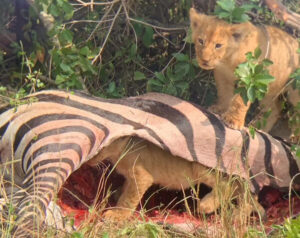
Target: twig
x=128, y=20
x=107, y=35
x=46, y=79
x=92, y=3
x=281, y=12
x=86, y=21
x=158, y=27
x=100, y=22
x=171, y=60
x=162, y=36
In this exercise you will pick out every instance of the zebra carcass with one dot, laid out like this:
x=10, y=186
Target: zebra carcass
x=52, y=133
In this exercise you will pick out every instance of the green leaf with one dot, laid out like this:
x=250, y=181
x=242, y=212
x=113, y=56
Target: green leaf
x=160, y=76
x=85, y=51
x=264, y=78
x=251, y=93
x=138, y=28
x=252, y=131
x=111, y=87
x=133, y=50
x=105, y=235
x=181, y=57
x=258, y=68
x=249, y=7
x=155, y=82
x=239, y=15
x=66, y=36
x=249, y=56
x=66, y=68
x=263, y=88
x=182, y=85
x=3, y=89
x=244, y=96
x=148, y=36
x=224, y=15
x=60, y=79
x=139, y=75
x=182, y=69
x=242, y=70
x=257, y=52
x=227, y=5
x=171, y=89
x=267, y=62
x=68, y=9
x=298, y=153
x=244, y=18
x=53, y=10
x=77, y=235
x=188, y=37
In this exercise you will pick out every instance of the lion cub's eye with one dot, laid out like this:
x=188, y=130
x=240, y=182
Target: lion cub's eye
x=218, y=46
x=201, y=41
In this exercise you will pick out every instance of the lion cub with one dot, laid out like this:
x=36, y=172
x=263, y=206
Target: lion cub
x=221, y=46
x=143, y=164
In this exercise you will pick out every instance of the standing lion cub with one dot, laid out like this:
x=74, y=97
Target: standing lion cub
x=222, y=47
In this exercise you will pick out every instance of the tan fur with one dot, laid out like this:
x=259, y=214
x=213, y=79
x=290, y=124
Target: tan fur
x=236, y=41
x=143, y=164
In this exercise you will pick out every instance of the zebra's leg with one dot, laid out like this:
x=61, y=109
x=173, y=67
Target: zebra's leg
x=31, y=203
x=30, y=212
x=136, y=184
x=21, y=215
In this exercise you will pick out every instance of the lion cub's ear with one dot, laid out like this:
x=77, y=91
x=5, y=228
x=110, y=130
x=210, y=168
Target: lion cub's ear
x=240, y=31
x=195, y=18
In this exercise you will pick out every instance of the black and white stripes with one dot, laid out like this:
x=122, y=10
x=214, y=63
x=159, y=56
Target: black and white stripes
x=45, y=141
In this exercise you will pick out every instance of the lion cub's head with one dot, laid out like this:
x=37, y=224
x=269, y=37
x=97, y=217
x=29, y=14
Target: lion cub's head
x=215, y=40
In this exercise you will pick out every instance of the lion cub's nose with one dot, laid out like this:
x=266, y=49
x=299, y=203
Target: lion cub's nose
x=205, y=62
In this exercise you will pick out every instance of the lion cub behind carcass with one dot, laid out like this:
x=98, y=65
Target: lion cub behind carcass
x=222, y=47
x=143, y=164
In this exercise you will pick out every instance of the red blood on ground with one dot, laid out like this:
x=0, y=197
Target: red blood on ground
x=80, y=190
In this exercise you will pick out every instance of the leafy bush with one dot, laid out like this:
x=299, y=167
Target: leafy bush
x=230, y=12
x=254, y=77
x=178, y=77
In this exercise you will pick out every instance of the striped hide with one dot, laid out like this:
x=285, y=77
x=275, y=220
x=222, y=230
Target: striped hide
x=52, y=133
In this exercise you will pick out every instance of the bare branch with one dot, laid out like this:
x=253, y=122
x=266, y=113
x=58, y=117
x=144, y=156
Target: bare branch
x=281, y=12
x=107, y=35
x=92, y=3
x=159, y=27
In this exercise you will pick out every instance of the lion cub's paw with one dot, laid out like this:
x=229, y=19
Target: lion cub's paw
x=295, y=139
x=208, y=204
x=232, y=122
x=116, y=215
x=216, y=109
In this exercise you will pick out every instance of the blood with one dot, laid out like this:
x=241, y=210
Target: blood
x=88, y=184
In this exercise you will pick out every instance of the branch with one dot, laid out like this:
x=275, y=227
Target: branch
x=107, y=35
x=281, y=12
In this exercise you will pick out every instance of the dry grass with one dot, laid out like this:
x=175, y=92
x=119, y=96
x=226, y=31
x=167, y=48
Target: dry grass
x=231, y=220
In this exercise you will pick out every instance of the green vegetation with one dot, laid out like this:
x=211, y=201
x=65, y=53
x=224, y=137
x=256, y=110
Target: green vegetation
x=229, y=11
x=254, y=77
x=125, y=48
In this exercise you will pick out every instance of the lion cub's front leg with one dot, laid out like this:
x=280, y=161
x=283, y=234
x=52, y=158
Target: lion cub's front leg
x=235, y=116
x=231, y=107
x=136, y=184
x=224, y=190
